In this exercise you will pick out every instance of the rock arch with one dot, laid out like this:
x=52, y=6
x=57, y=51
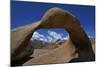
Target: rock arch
x=54, y=18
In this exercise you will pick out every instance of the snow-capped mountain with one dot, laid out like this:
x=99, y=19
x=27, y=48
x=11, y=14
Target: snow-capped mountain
x=52, y=37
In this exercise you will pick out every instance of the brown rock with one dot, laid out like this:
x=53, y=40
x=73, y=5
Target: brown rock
x=59, y=55
x=59, y=18
x=54, y=18
x=20, y=38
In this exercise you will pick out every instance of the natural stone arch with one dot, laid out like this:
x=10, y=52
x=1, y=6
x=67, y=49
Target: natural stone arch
x=59, y=18
x=54, y=18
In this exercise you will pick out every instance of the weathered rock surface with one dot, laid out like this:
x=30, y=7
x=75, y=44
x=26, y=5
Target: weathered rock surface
x=20, y=38
x=59, y=18
x=55, y=18
x=59, y=55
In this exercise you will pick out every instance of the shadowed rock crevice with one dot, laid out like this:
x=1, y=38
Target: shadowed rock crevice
x=20, y=50
x=55, y=18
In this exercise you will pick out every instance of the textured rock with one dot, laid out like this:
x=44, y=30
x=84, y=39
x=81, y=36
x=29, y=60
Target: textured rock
x=59, y=55
x=59, y=18
x=26, y=53
x=54, y=18
x=20, y=38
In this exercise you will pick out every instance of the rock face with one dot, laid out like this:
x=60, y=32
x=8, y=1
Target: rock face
x=59, y=18
x=54, y=18
x=20, y=38
x=61, y=54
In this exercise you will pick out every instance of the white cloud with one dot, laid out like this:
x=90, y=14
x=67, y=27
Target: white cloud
x=52, y=37
x=90, y=36
x=49, y=38
x=66, y=38
x=55, y=35
x=38, y=36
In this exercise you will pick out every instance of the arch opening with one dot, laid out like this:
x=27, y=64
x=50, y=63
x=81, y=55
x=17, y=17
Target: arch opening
x=48, y=38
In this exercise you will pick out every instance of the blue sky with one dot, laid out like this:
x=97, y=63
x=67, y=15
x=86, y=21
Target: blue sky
x=23, y=13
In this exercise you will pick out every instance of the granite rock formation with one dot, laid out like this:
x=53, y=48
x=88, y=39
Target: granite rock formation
x=55, y=18
x=20, y=38
x=59, y=18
